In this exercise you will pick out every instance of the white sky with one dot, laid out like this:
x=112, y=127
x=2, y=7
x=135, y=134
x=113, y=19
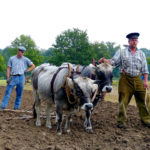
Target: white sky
x=104, y=20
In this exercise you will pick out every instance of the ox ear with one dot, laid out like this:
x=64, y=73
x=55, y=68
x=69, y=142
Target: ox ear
x=69, y=82
x=69, y=70
x=92, y=68
x=97, y=82
x=94, y=87
x=78, y=67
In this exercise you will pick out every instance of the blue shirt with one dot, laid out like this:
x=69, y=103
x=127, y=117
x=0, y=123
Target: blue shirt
x=18, y=65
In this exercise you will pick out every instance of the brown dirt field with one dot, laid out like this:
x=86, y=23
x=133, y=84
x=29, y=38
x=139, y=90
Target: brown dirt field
x=22, y=134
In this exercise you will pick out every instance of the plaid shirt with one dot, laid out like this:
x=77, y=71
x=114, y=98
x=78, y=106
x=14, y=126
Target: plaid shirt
x=133, y=65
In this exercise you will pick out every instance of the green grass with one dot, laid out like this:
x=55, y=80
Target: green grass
x=115, y=82
x=26, y=87
x=2, y=82
x=29, y=87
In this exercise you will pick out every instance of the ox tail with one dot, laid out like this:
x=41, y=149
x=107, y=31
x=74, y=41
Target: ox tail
x=34, y=111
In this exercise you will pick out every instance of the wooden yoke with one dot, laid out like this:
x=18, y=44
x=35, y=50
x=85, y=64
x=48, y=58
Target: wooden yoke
x=68, y=90
x=93, y=62
x=69, y=71
x=77, y=69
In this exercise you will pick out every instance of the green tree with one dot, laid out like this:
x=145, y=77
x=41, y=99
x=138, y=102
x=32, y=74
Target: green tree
x=99, y=50
x=112, y=48
x=71, y=46
x=148, y=60
x=2, y=63
x=32, y=51
x=47, y=54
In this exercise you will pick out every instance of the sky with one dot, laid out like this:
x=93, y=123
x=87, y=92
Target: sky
x=103, y=20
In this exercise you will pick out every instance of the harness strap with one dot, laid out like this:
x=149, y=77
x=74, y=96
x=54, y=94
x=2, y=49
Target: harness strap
x=53, y=79
x=92, y=76
x=122, y=55
x=79, y=72
x=83, y=68
x=68, y=93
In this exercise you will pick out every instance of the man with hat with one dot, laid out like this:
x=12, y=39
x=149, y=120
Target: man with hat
x=17, y=66
x=133, y=64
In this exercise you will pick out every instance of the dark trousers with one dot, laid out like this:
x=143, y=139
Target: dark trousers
x=129, y=86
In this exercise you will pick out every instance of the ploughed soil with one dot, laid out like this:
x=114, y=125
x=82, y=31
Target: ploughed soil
x=18, y=130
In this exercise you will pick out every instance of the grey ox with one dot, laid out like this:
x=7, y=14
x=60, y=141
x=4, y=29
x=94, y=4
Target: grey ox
x=64, y=88
x=101, y=72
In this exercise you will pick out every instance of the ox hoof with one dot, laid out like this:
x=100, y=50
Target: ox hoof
x=49, y=126
x=59, y=133
x=38, y=124
x=67, y=130
x=89, y=130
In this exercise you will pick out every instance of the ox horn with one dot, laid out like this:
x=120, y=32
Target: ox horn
x=69, y=70
x=78, y=67
x=95, y=93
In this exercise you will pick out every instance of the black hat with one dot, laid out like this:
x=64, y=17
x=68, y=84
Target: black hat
x=133, y=35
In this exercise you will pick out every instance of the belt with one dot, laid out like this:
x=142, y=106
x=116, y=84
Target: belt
x=16, y=75
x=126, y=74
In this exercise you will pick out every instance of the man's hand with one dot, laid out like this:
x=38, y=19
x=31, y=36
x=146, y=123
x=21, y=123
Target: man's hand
x=146, y=85
x=8, y=80
x=146, y=80
x=102, y=60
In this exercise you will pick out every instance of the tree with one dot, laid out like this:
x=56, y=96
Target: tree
x=47, y=54
x=99, y=50
x=71, y=46
x=2, y=63
x=32, y=51
x=25, y=41
x=112, y=48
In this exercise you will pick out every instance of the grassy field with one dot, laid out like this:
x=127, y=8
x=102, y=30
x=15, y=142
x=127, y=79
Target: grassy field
x=113, y=96
x=26, y=87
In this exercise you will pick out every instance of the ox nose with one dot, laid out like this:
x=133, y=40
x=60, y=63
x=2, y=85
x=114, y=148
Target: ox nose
x=87, y=106
x=109, y=88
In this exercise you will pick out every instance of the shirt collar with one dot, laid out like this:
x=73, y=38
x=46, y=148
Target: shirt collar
x=130, y=50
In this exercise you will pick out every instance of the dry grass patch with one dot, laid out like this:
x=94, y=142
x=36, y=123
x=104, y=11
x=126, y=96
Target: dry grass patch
x=113, y=96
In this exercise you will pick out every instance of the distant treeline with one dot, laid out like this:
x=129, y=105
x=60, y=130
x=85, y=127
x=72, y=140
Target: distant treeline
x=71, y=46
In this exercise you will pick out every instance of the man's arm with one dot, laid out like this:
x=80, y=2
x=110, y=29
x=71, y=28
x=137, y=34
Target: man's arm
x=8, y=72
x=32, y=66
x=146, y=80
x=102, y=60
x=8, y=75
x=114, y=61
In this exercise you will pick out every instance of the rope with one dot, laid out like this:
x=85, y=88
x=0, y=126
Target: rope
x=147, y=100
x=94, y=95
x=68, y=92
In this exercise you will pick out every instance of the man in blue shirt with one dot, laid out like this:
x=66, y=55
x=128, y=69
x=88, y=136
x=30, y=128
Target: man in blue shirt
x=17, y=66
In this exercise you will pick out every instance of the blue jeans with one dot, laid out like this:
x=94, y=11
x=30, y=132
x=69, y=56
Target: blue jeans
x=19, y=82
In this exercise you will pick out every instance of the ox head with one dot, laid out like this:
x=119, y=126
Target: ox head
x=104, y=76
x=82, y=89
